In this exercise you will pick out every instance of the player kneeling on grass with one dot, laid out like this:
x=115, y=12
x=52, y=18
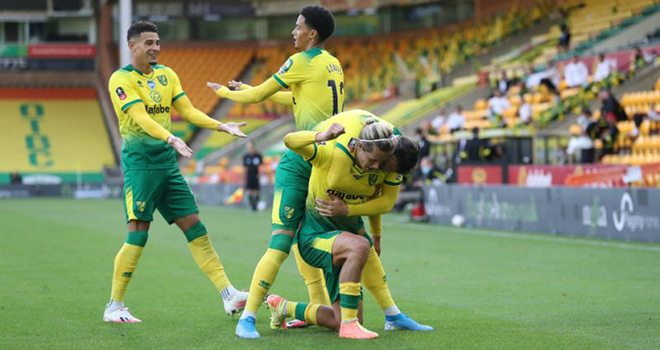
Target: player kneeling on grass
x=339, y=245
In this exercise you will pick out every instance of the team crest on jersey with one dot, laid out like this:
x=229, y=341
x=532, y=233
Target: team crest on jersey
x=352, y=144
x=151, y=84
x=399, y=177
x=155, y=96
x=162, y=79
x=285, y=67
x=120, y=92
x=372, y=179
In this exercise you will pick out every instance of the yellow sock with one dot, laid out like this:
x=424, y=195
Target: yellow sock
x=310, y=313
x=302, y=311
x=206, y=257
x=125, y=263
x=374, y=278
x=291, y=308
x=349, y=300
x=263, y=278
x=318, y=293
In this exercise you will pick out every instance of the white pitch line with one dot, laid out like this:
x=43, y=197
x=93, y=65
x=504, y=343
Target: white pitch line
x=542, y=237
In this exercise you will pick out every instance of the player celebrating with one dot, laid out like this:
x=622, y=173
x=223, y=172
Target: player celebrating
x=143, y=94
x=339, y=245
x=317, y=92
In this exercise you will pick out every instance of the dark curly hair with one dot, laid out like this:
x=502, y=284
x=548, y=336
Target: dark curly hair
x=407, y=155
x=140, y=27
x=319, y=19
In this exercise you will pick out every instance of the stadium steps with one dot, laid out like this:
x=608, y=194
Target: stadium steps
x=519, y=39
x=200, y=137
x=635, y=33
x=467, y=101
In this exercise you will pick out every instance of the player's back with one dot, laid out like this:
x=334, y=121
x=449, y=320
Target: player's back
x=316, y=80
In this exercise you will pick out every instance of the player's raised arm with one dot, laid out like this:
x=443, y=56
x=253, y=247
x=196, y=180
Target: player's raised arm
x=153, y=129
x=195, y=116
x=253, y=95
x=304, y=142
x=284, y=98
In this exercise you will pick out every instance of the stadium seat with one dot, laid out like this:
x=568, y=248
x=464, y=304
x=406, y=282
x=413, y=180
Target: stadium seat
x=54, y=131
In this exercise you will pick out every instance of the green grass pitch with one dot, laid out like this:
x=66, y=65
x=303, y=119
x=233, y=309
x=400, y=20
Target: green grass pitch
x=480, y=289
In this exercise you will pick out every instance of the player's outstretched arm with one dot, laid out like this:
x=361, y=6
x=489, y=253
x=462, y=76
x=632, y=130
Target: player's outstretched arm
x=284, y=98
x=198, y=118
x=303, y=142
x=193, y=115
x=140, y=116
x=254, y=95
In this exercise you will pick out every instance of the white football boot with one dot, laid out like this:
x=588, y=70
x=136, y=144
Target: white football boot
x=119, y=315
x=236, y=303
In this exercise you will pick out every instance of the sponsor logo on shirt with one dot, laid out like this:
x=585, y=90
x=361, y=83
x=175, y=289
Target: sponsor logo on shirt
x=120, y=92
x=156, y=109
x=342, y=195
x=155, y=96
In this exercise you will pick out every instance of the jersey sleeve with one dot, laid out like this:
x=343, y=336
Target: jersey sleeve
x=177, y=89
x=393, y=179
x=122, y=92
x=292, y=71
x=322, y=154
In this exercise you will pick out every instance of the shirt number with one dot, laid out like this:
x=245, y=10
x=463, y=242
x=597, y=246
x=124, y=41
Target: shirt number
x=335, y=103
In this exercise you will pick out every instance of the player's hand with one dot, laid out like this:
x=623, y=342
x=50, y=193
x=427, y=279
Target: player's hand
x=180, y=146
x=376, y=240
x=219, y=89
x=236, y=85
x=335, y=206
x=332, y=133
x=232, y=128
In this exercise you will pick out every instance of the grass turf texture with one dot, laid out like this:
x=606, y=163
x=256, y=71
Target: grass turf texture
x=478, y=290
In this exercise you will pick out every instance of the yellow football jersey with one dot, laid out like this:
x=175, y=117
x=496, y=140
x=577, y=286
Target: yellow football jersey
x=316, y=80
x=321, y=160
x=155, y=92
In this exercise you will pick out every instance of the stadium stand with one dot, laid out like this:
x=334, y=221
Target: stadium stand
x=54, y=131
x=191, y=64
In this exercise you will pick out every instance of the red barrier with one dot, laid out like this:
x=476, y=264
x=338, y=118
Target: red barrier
x=550, y=175
x=61, y=51
x=480, y=175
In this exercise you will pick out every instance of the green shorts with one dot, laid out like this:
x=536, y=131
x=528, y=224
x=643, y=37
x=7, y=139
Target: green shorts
x=146, y=190
x=291, y=182
x=316, y=250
